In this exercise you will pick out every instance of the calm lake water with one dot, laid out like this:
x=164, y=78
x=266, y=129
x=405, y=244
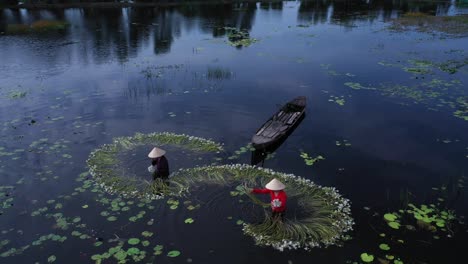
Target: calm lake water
x=117, y=71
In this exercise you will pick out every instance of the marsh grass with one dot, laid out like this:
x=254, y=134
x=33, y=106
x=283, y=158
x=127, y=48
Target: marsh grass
x=218, y=73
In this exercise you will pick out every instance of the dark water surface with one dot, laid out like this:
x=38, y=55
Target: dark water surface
x=116, y=71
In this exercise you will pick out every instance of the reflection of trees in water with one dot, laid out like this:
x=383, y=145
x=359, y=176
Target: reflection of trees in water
x=346, y=13
x=106, y=33
x=214, y=18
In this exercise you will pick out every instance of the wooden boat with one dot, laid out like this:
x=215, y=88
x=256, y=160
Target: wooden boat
x=280, y=123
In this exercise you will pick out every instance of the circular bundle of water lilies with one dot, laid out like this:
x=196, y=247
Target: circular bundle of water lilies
x=104, y=164
x=325, y=217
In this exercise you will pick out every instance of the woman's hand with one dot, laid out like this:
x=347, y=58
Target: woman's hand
x=247, y=189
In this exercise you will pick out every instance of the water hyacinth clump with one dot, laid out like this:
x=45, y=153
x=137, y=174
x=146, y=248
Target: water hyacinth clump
x=325, y=217
x=105, y=167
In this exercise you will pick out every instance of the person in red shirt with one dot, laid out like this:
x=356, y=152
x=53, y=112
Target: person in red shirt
x=278, y=197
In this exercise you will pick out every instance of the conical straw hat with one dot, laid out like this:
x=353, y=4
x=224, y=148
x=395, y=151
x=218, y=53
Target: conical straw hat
x=275, y=185
x=156, y=153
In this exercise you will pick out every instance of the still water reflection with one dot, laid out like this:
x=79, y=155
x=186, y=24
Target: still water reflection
x=117, y=71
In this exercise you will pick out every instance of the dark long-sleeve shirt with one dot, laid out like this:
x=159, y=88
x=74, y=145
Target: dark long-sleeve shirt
x=162, y=167
x=278, y=201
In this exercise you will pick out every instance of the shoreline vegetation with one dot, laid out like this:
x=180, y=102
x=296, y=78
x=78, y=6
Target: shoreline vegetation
x=109, y=4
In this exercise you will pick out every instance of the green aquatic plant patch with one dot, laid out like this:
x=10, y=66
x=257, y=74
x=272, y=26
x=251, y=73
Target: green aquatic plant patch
x=105, y=166
x=239, y=38
x=326, y=219
x=447, y=25
x=309, y=161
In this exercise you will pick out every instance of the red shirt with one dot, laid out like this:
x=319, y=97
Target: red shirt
x=278, y=202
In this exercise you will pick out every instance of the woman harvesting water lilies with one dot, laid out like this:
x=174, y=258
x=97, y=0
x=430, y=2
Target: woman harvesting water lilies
x=159, y=164
x=278, y=197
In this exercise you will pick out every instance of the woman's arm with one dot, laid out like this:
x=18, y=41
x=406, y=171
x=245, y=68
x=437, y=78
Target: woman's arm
x=260, y=190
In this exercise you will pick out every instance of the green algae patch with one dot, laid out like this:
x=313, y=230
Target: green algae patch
x=448, y=25
x=36, y=27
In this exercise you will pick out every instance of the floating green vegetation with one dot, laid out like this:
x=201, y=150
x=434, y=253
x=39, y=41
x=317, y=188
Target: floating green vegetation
x=326, y=215
x=435, y=94
x=17, y=94
x=173, y=253
x=38, y=242
x=38, y=26
x=367, y=257
x=309, y=161
x=462, y=112
x=239, y=38
x=424, y=67
x=447, y=25
x=245, y=149
x=121, y=254
x=6, y=198
x=103, y=162
x=339, y=100
x=357, y=86
x=218, y=73
x=429, y=218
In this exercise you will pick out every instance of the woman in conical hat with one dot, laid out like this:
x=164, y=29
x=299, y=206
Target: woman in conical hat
x=159, y=164
x=278, y=197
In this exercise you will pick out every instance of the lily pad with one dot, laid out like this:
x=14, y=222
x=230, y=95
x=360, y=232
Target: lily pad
x=394, y=225
x=367, y=257
x=133, y=251
x=189, y=221
x=173, y=253
x=390, y=217
x=133, y=241
x=384, y=247
x=51, y=259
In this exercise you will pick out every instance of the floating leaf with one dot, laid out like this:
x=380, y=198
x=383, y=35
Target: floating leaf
x=120, y=255
x=173, y=253
x=133, y=241
x=239, y=222
x=133, y=251
x=189, y=221
x=147, y=234
x=367, y=257
x=390, y=217
x=111, y=218
x=51, y=259
x=145, y=243
x=384, y=247
x=394, y=225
